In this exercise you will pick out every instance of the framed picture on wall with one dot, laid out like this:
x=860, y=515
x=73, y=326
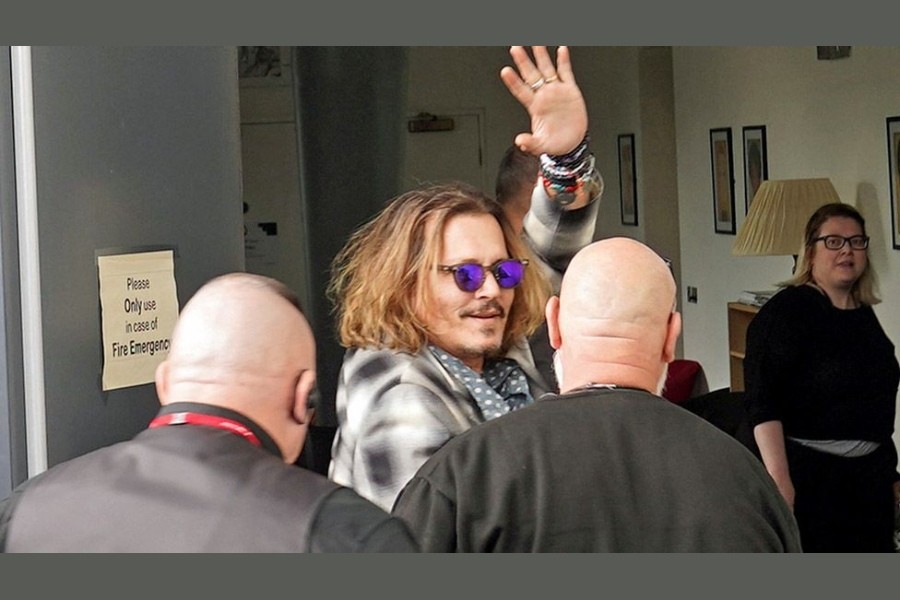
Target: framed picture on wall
x=722, y=163
x=756, y=168
x=893, y=135
x=627, y=180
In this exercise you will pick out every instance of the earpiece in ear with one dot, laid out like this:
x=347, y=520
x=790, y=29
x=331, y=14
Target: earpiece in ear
x=312, y=401
x=306, y=397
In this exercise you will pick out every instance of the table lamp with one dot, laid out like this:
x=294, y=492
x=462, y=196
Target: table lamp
x=778, y=215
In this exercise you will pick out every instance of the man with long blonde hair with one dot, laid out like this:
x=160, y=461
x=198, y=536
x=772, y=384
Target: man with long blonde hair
x=437, y=294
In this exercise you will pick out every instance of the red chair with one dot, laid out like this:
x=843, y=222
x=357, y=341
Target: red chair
x=685, y=379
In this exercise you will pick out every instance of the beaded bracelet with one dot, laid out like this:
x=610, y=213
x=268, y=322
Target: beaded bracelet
x=567, y=173
x=562, y=180
x=566, y=170
x=557, y=174
x=574, y=156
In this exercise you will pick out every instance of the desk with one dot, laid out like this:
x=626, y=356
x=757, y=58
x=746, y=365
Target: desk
x=739, y=317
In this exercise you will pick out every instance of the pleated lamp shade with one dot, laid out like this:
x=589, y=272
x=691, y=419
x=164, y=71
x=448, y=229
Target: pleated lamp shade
x=778, y=215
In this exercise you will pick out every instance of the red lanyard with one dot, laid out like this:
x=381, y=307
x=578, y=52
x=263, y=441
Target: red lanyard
x=189, y=418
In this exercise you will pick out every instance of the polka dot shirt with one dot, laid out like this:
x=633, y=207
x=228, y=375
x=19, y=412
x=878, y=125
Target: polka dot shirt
x=502, y=387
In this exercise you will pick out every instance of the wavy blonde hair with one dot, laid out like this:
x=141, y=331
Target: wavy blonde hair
x=865, y=289
x=378, y=280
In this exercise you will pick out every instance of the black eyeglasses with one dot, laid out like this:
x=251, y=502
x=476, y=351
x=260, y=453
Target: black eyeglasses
x=836, y=242
x=469, y=277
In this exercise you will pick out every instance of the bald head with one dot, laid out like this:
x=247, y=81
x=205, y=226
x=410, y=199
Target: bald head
x=614, y=320
x=241, y=342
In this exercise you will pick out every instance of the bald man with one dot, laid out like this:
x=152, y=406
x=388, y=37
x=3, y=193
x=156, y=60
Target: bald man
x=213, y=472
x=607, y=465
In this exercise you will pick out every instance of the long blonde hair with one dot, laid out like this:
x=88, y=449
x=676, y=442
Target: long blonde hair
x=865, y=288
x=378, y=280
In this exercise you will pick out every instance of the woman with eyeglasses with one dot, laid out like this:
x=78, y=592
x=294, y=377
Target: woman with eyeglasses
x=821, y=390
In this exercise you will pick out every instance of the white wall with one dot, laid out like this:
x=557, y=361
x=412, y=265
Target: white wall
x=823, y=119
x=608, y=77
x=446, y=78
x=271, y=180
x=452, y=78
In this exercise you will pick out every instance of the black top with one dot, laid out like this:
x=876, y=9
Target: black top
x=192, y=488
x=825, y=373
x=596, y=471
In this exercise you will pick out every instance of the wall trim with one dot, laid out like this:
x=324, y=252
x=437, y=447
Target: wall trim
x=29, y=260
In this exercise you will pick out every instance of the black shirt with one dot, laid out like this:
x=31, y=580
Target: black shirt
x=825, y=373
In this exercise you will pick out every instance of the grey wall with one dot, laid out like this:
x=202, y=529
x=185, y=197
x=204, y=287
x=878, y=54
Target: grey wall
x=135, y=146
x=351, y=102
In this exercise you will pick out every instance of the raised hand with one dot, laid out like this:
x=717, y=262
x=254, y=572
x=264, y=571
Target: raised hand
x=553, y=100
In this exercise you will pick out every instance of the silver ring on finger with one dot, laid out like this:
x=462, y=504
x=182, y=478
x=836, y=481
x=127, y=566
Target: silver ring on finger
x=537, y=84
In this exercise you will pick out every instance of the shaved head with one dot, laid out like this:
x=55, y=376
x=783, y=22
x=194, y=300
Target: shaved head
x=242, y=343
x=613, y=321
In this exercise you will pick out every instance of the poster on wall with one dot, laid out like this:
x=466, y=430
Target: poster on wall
x=893, y=134
x=627, y=180
x=722, y=179
x=756, y=164
x=138, y=309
